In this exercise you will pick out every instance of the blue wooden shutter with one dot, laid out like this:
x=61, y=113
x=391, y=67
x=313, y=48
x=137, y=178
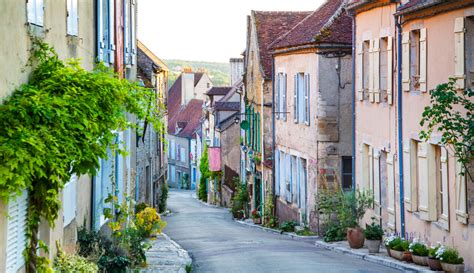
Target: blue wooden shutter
x=284, y=97
x=111, y=30
x=306, y=98
x=277, y=96
x=277, y=172
x=295, y=100
x=126, y=27
x=133, y=29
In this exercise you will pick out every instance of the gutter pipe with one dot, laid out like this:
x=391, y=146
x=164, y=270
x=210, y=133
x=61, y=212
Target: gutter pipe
x=353, y=104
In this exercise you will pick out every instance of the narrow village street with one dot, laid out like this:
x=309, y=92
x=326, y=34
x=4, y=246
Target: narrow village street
x=218, y=244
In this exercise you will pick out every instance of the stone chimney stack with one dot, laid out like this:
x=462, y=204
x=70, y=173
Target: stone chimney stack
x=236, y=70
x=187, y=88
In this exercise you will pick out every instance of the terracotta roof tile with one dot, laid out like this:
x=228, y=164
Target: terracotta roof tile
x=270, y=25
x=227, y=106
x=329, y=23
x=197, y=77
x=219, y=91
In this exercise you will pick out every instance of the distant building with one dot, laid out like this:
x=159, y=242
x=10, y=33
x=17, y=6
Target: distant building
x=185, y=102
x=151, y=157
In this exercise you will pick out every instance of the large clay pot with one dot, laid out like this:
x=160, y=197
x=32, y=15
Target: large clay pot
x=420, y=260
x=453, y=268
x=434, y=264
x=373, y=245
x=396, y=254
x=355, y=237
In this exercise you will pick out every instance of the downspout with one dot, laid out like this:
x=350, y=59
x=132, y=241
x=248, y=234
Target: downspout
x=353, y=104
x=400, y=122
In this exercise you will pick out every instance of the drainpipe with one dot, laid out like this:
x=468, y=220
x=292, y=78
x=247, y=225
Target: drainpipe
x=273, y=126
x=400, y=122
x=353, y=103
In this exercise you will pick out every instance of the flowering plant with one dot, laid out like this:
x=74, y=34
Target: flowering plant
x=418, y=248
x=255, y=214
x=149, y=222
x=449, y=255
x=392, y=241
x=433, y=249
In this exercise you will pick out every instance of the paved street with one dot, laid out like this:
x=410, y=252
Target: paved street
x=218, y=244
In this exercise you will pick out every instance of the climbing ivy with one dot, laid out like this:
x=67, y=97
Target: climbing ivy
x=451, y=113
x=59, y=124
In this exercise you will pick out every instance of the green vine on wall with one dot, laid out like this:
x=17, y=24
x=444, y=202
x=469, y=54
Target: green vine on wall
x=59, y=124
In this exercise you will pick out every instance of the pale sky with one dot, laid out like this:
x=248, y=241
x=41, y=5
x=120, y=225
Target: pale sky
x=203, y=30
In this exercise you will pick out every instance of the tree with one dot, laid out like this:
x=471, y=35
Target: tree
x=59, y=124
x=451, y=114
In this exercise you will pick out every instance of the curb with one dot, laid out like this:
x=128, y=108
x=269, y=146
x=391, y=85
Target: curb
x=271, y=230
x=204, y=203
x=189, y=260
x=386, y=261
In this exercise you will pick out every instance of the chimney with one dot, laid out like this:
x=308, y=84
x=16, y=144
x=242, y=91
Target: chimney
x=187, y=86
x=236, y=70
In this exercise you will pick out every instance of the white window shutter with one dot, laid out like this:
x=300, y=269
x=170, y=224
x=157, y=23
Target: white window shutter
x=277, y=172
x=133, y=31
x=360, y=70
x=284, y=97
x=390, y=192
x=76, y=17
x=371, y=71
x=376, y=57
x=16, y=232
x=69, y=201
x=371, y=169
x=39, y=12
x=364, y=167
x=283, y=175
x=461, y=195
x=295, y=98
x=406, y=61
x=376, y=168
x=390, y=70
x=459, y=73
x=69, y=16
x=31, y=11
x=111, y=30
x=426, y=178
x=277, y=96
x=423, y=60
x=444, y=188
x=72, y=17
x=288, y=177
x=306, y=99
x=407, y=175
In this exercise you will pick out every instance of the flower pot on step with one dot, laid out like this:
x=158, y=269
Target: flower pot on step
x=452, y=268
x=396, y=254
x=355, y=237
x=373, y=245
x=420, y=260
x=434, y=264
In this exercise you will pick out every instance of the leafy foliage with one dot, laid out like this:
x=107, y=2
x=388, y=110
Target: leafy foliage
x=149, y=222
x=373, y=231
x=288, y=226
x=205, y=174
x=418, y=249
x=87, y=241
x=163, y=198
x=58, y=124
x=65, y=263
x=449, y=255
x=269, y=218
x=240, y=201
x=451, y=113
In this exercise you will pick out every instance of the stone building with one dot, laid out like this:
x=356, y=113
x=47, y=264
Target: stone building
x=262, y=29
x=151, y=157
x=185, y=103
x=312, y=99
x=418, y=187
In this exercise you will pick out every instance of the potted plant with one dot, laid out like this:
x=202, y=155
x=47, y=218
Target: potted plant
x=256, y=217
x=450, y=260
x=373, y=233
x=355, y=205
x=419, y=253
x=397, y=247
x=390, y=241
x=433, y=261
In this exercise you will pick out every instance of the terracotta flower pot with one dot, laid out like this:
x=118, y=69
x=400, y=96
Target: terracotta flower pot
x=452, y=268
x=396, y=254
x=434, y=264
x=407, y=257
x=373, y=245
x=355, y=237
x=388, y=252
x=420, y=260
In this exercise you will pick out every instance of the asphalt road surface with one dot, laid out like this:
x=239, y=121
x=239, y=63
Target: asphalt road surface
x=218, y=244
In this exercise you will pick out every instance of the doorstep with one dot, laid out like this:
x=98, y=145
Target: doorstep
x=293, y=235
x=381, y=258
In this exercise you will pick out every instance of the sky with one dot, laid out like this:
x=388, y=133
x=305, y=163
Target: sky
x=203, y=30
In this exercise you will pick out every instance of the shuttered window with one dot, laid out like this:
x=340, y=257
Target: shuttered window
x=389, y=70
x=277, y=96
x=72, y=18
x=303, y=176
x=365, y=167
x=133, y=31
x=423, y=60
x=297, y=84
x=105, y=30
x=410, y=174
x=461, y=195
x=183, y=154
x=459, y=72
x=16, y=232
x=359, y=71
x=284, y=96
x=426, y=175
x=277, y=173
x=376, y=179
x=288, y=173
x=35, y=12
x=371, y=71
x=69, y=201
x=301, y=99
x=127, y=32
x=376, y=61
x=390, y=192
x=307, y=86
x=294, y=180
x=443, y=183
x=406, y=61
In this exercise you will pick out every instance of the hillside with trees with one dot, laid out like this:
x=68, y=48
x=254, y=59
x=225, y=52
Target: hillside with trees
x=218, y=72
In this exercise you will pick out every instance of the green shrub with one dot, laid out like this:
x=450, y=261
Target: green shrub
x=87, y=241
x=403, y=245
x=65, y=263
x=240, y=201
x=334, y=233
x=373, y=231
x=392, y=241
x=140, y=206
x=432, y=251
x=288, y=226
x=418, y=249
x=202, y=193
x=162, y=205
x=449, y=255
x=305, y=232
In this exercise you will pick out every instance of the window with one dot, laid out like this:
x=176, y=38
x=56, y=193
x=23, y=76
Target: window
x=183, y=155
x=414, y=60
x=105, y=31
x=346, y=173
x=281, y=96
x=72, y=20
x=384, y=71
x=441, y=161
x=301, y=98
x=173, y=174
x=365, y=69
x=173, y=150
x=365, y=167
x=35, y=11
x=427, y=174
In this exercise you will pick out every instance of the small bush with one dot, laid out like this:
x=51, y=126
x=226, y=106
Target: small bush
x=202, y=193
x=87, y=241
x=240, y=201
x=163, y=198
x=432, y=251
x=334, y=233
x=418, y=249
x=140, y=206
x=65, y=263
x=288, y=226
x=148, y=222
x=449, y=255
x=373, y=231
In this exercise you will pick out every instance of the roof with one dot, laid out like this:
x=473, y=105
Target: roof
x=269, y=26
x=197, y=77
x=329, y=23
x=227, y=123
x=219, y=91
x=227, y=106
x=157, y=61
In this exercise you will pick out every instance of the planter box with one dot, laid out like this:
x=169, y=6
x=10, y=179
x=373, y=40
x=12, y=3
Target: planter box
x=373, y=245
x=420, y=260
x=396, y=254
x=453, y=268
x=434, y=264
